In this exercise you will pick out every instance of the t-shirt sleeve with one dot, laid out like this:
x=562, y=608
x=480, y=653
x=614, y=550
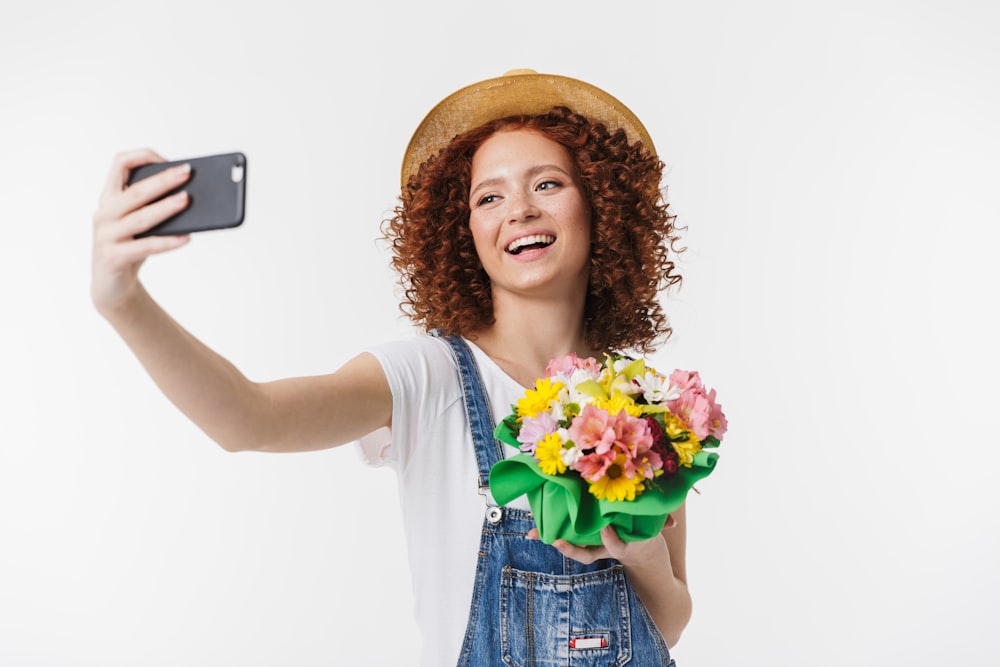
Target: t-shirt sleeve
x=423, y=380
x=376, y=447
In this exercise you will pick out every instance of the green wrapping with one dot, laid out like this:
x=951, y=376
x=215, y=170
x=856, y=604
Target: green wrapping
x=564, y=509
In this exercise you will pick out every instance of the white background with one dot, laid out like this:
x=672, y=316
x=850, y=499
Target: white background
x=836, y=165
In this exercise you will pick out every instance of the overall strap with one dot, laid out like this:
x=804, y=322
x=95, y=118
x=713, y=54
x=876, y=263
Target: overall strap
x=477, y=408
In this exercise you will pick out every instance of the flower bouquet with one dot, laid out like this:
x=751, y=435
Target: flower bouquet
x=610, y=442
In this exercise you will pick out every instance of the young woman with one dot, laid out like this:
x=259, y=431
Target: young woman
x=531, y=225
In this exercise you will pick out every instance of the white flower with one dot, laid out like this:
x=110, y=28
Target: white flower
x=570, y=455
x=557, y=408
x=578, y=377
x=560, y=377
x=656, y=388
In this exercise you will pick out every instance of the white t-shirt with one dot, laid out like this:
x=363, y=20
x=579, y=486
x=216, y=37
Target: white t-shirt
x=431, y=450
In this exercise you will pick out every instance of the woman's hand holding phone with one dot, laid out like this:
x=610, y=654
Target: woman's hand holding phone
x=123, y=212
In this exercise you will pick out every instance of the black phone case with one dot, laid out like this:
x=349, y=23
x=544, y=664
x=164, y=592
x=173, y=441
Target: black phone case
x=216, y=198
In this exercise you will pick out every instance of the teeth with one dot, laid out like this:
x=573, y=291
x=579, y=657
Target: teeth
x=514, y=246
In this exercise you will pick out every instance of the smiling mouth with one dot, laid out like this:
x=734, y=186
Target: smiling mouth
x=532, y=242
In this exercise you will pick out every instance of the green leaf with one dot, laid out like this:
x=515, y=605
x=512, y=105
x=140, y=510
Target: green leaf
x=592, y=388
x=634, y=369
x=504, y=433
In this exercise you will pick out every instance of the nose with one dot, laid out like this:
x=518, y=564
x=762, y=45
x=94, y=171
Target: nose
x=522, y=207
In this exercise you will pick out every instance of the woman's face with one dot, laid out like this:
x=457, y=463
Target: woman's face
x=529, y=218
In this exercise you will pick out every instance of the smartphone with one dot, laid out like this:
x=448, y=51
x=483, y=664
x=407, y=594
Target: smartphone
x=216, y=194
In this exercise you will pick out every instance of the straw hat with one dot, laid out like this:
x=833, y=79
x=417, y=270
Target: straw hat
x=519, y=91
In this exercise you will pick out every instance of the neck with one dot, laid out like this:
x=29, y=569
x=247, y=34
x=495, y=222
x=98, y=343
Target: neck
x=527, y=335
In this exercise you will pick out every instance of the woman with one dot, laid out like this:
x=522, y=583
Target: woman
x=531, y=226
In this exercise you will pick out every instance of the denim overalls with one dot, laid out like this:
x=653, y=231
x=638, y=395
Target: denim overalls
x=532, y=607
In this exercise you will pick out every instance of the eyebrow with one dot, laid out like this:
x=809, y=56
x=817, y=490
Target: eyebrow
x=533, y=171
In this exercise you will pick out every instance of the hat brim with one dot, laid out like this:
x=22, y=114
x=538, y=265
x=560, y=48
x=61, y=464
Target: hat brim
x=512, y=95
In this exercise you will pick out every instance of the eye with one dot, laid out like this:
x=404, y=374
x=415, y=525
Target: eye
x=549, y=185
x=487, y=199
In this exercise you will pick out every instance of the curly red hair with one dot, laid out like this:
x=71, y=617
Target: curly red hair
x=633, y=235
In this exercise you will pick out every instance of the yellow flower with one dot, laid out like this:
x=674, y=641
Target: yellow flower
x=617, y=403
x=614, y=485
x=537, y=400
x=682, y=439
x=549, y=455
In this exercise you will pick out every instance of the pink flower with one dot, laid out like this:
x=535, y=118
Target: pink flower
x=593, y=429
x=644, y=465
x=696, y=407
x=533, y=429
x=633, y=434
x=717, y=422
x=636, y=439
x=685, y=380
x=607, y=439
x=566, y=365
x=593, y=466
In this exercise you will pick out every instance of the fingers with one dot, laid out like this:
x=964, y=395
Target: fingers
x=613, y=547
x=124, y=212
x=116, y=258
x=124, y=163
x=149, y=216
x=142, y=248
x=141, y=193
x=612, y=542
x=585, y=555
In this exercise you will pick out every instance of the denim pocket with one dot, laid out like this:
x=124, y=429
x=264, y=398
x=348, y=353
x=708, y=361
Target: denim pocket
x=580, y=619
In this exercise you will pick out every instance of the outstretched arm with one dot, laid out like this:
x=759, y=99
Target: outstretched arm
x=294, y=414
